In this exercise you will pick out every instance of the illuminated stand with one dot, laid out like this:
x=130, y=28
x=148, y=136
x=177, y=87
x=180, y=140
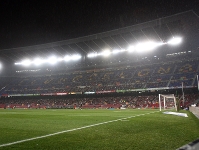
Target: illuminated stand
x=165, y=97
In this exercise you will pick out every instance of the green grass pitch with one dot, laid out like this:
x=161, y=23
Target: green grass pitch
x=130, y=129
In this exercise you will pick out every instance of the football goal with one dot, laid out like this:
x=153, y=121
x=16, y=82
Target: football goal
x=167, y=101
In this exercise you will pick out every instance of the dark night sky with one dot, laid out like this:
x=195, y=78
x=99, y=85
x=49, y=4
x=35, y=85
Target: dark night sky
x=30, y=22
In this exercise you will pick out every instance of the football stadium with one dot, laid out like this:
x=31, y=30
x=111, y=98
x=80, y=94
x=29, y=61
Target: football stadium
x=110, y=90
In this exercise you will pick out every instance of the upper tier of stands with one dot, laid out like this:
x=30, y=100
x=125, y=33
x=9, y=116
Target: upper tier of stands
x=160, y=75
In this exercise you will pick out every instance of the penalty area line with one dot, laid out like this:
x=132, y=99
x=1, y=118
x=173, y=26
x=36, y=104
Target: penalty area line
x=70, y=130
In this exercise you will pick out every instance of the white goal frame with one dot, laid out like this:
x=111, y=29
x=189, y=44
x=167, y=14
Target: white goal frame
x=166, y=96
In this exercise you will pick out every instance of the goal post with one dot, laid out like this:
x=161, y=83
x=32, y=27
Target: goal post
x=165, y=97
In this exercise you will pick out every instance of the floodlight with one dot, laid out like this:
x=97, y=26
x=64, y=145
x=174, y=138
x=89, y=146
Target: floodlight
x=76, y=57
x=131, y=48
x=52, y=60
x=92, y=55
x=175, y=41
x=116, y=51
x=0, y=66
x=26, y=62
x=18, y=63
x=38, y=61
x=106, y=53
x=140, y=47
x=67, y=58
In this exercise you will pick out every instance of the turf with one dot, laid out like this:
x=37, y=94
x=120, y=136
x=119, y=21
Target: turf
x=152, y=131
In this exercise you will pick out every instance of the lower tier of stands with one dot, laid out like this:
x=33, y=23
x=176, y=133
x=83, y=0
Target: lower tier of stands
x=116, y=102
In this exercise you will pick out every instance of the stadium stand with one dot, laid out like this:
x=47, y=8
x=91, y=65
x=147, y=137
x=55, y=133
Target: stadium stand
x=130, y=79
x=104, y=80
x=87, y=103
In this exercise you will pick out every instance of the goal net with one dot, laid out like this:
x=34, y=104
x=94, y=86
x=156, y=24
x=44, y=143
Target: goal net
x=167, y=101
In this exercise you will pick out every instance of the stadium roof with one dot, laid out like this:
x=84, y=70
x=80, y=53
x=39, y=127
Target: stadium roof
x=183, y=24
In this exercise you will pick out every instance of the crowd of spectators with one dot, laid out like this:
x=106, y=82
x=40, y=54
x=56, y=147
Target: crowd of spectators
x=122, y=78
x=117, y=102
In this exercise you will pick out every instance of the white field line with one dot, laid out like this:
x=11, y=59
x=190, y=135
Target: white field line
x=56, y=133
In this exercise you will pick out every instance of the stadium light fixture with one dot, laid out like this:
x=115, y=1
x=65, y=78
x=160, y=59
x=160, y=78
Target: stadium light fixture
x=67, y=58
x=90, y=55
x=18, y=63
x=175, y=41
x=116, y=51
x=37, y=61
x=26, y=62
x=52, y=60
x=131, y=48
x=140, y=47
x=106, y=53
x=75, y=57
x=146, y=46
